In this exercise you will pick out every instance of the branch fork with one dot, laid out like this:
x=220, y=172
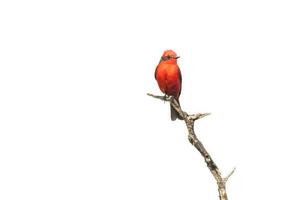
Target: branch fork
x=190, y=121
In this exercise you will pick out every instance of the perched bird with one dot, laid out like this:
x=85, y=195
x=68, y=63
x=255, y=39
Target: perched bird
x=168, y=77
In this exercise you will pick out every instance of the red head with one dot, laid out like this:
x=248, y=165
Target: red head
x=169, y=56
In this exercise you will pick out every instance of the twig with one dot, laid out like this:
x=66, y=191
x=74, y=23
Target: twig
x=189, y=121
x=228, y=176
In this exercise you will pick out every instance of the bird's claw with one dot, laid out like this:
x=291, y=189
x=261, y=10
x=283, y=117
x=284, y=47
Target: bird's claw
x=166, y=97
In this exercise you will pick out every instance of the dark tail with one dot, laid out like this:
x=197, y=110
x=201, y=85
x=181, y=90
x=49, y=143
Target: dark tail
x=174, y=113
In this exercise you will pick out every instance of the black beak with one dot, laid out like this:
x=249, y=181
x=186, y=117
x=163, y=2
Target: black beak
x=177, y=57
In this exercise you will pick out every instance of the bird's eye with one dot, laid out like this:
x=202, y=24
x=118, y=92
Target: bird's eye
x=168, y=56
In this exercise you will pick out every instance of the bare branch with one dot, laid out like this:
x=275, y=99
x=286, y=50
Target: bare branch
x=199, y=116
x=228, y=176
x=189, y=121
x=163, y=98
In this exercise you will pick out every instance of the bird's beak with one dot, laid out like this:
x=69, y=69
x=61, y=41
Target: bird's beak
x=177, y=57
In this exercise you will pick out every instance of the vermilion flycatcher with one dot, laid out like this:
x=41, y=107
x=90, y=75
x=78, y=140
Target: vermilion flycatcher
x=168, y=77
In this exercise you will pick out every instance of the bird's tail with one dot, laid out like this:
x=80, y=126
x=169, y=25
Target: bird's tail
x=174, y=113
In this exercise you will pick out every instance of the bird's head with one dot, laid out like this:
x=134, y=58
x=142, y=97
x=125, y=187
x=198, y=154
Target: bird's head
x=169, y=56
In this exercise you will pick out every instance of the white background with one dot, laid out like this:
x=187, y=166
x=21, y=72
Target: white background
x=76, y=123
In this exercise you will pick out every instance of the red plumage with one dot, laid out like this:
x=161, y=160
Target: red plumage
x=168, y=77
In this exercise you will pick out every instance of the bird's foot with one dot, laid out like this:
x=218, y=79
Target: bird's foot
x=166, y=97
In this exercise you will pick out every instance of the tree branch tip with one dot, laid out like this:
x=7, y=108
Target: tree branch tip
x=199, y=115
x=163, y=98
x=205, y=114
x=151, y=95
x=228, y=176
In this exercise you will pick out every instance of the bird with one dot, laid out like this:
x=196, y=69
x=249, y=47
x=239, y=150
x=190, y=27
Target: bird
x=168, y=77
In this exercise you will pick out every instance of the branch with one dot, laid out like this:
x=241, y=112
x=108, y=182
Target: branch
x=189, y=121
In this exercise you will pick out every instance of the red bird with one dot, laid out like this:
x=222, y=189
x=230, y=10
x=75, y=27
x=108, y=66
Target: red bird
x=168, y=77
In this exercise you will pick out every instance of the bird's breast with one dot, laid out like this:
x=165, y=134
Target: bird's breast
x=168, y=78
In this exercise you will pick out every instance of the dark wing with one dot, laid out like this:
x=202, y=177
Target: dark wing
x=180, y=78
